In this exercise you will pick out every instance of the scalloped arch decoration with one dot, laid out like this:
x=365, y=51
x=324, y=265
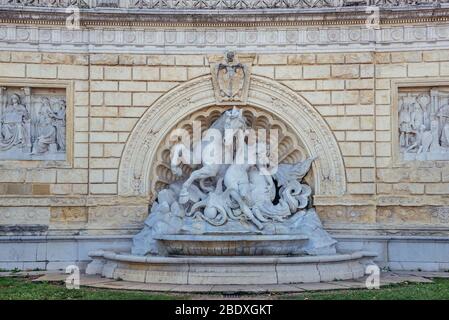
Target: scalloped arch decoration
x=312, y=131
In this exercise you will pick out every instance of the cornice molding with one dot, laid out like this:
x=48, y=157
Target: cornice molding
x=168, y=17
x=220, y=5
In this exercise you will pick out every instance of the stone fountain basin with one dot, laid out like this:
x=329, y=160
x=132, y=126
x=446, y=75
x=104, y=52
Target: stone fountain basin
x=232, y=244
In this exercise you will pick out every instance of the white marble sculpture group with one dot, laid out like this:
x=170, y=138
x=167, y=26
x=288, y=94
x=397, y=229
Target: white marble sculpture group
x=424, y=125
x=236, y=198
x=32, y=127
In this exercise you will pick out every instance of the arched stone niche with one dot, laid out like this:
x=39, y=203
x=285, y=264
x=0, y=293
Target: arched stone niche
x=144, y=152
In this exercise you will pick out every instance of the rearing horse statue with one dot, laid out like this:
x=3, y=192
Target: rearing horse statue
x=212, y=143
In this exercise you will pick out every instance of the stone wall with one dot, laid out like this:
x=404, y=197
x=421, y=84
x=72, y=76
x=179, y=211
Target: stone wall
x=353, y=92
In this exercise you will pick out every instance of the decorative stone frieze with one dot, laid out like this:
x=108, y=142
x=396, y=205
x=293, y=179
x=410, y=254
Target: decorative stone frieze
x=220, y=4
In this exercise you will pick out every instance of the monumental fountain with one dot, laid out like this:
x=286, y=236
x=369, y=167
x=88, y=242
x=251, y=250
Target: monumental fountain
x=233, y=215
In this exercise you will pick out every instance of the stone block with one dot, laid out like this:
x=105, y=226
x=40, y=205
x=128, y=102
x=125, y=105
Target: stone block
x=304, y=58
x=359, y=57
x=40, y=176
x=96, y=99
x=353, y=175
x=359, y=162
x=160, y=60
x=145, y=99
x=383, y=149
x=104, y=59
x=12, y=175
x=346, y=71
x=382, y=57
x=331, y=58
x=265, y=71
x=393, y=175
x=113, y=150
x=26, y=57
x=68, y=215
x=193, y=72
x=104, y=162
x=272, y=59
x=145, y=73
x=444, y=68
x=436, y=55
x=368, y=175
x=132, y=86
x=391, y=70
x=288, y=72
x=408, y=56
x=117, y=98
x=119, y=124
x=72, y=176
x=137, y=275
x=367, y=148
x=437, y=188
x=424, y=69
x=40, y=189
x=367, y=122
x=360, y=84
x=343, y=123
x=164, y=273
x=362, y=188
x=173, y=73
x=103, y=137
x=96, y=124
x=383, y=123
x=64, y=58
x=96, y=73
x=316, y=72
x=103, y=111
x=103, y=188
x=110, y=176
x=41, y=71
x=131, y=112
x=345, y=97
x=318, y=97
x=5, y=56
x=132, y=59
x=232, y=274
x=299, y=273
x=350, y=148
x=366, y=71
x=189, y=60
x=300, y=85
x=160, y=86
x=73, y=72
x=330, y=84
x=104, y=86
x=117, y=73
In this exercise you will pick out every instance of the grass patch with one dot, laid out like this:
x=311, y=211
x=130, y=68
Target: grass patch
x=438, y=290
x=19, y=288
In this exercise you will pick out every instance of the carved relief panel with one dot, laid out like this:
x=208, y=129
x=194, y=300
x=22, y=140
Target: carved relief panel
x=423, y=123
x=32, y=123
